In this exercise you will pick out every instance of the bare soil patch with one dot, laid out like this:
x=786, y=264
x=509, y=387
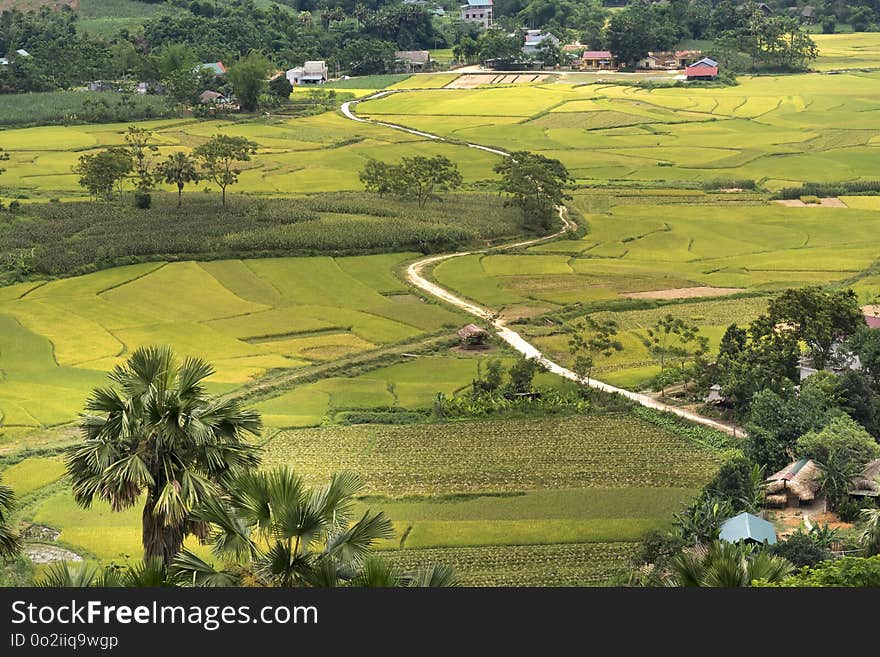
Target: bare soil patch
x=45, y=553
x=471, y=80
x=684, y=293
x=828, y=202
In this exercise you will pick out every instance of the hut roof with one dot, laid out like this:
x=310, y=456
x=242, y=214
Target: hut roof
x=746, y=527
x=868, y=482
x=471, y=331
x=800, y=477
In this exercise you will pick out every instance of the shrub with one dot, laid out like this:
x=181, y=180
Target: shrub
x=143, y=200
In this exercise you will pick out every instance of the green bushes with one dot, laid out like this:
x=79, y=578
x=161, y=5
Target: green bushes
x=820, y=190
x=76, y=238
x=70, y=107
x=729, y=183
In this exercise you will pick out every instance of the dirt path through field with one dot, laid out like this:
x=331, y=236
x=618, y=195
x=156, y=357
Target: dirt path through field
x=415, y=276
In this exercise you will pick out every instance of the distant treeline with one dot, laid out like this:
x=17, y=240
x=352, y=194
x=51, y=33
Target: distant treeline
x=858, y=187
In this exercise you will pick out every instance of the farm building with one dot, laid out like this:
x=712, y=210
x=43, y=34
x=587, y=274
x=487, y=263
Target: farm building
x=413, y=60
x=536, y=39
x=209, y=97
x=714, y=396
x=217, y=68
x=658, y=61
x=841, y=360
x=704, y=69
x=598, y=60
x=746, y=528
x=795, y=485
x=867, y=484
x=315, y=72
x=764, y=8
x=808, y=15
x=685, y=57
x=478, y=11
x=21, y=52
x=473, y=335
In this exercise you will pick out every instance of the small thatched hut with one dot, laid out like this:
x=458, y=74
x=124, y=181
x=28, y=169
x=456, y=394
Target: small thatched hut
x=794, y=485
x=867, y=484
x=473, y=336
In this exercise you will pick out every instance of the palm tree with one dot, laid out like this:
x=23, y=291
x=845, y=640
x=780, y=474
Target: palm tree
x=157, y=433
x=870, y=536
x=9, y=543
x=728, y=565
x=288, y=535
x=179, y=169
x=837, y=473
x=62, y=574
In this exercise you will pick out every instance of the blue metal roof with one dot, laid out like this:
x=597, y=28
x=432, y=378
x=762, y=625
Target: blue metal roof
x=479, y=3
x=745, y=526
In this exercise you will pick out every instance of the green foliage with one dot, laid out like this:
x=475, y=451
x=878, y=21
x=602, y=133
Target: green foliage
x=9, y=541
x=536, y=184
x=856, y=572
x=729, y=565
x=178, y=169
x=140, y=150
x=818, y=317
x=280, y=87
x=248, y=77
x=701, y=522
x=521, y=375
x=415, y=177
x=705, y=437
x=591, y=339
x=674, y=339
x=220, y=156
x=869, y=538
x=158, y=432
x=827, y=189
x=801, y=549
x=843, y=438
x=367, y=56
x=103, y=172
x=776, y=42
x=741, y=482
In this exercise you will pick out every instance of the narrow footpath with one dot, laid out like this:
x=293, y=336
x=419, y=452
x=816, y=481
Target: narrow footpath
x=415, y=276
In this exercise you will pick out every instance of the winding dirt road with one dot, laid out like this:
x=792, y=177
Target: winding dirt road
x=414, y=274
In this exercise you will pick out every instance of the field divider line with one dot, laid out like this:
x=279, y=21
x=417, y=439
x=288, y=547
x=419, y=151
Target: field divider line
x=414, y=275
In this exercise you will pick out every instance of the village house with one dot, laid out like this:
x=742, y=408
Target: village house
x=748, y=528
x=413, y=60
x=685, y=57
x=867, y=484
x=208, y=97
x=314, y=72
x=598, y=60
x=795, y=485
x=217, y=68
x=536, y=39
x=808, y=15
x=704, y=69
x=479, y=12
x=473, y=336
x=21, y=52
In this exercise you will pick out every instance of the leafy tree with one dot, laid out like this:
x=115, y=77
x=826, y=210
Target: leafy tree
x=701, y=522
x=416, y=177
x=101, y=173
x=522, y=373
x=423, y=176
x=866, y=344
x=497, y=44
x=178, y=169
x=741, y=482
x=269, y=526
x=869, y=539
x=368, y=56
x=674, y=338
x=219, y=157
x=860, y=18
x=9, y=542
x=590, y=340
x=139, y=149
x=4, y=157
x=248, y=78
x=280, y=87
x=157, y=434
x=819, y=317
x=379, y=177
x=492, y=381
x=536, y=184
x=729, y=565
x=801, y=549
x=850, y=572
x=841, y=437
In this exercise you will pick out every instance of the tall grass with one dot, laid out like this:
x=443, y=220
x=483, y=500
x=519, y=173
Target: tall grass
x=69, y=107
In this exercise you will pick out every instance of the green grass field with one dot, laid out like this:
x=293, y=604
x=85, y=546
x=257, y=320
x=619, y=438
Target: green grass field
x=860, y=50
x=247, y=317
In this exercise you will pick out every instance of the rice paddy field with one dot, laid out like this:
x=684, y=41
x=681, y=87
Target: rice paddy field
x=306, y=340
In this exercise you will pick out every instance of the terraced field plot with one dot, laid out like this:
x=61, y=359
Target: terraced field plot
x=246, y=317
x=771, y=129
x=304, y=155
x=657, y=242
x=860, y=50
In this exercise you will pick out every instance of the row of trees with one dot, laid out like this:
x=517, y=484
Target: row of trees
x=218, y=160
x=534, y=183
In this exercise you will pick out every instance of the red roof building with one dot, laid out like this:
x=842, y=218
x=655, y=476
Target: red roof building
x=705, y=69
x=598, y=60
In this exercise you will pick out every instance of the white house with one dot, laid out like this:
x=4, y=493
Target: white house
x=315, y=72
x=478, y=11
x=535, y=40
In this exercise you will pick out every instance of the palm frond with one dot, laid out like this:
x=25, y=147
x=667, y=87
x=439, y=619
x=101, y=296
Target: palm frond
x=352, y=544
x=377, y=573
x=62, y=574
x=432, y=576
x=188, y=569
